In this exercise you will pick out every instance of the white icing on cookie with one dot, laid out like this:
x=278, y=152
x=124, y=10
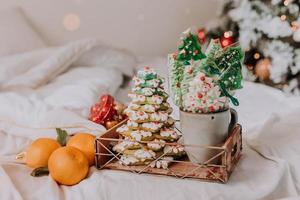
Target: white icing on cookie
x=146, y=71
x=144, y=154
x=133, y=106
x=128, y=111
x=146, y=107
x=154, y=126
x=156, y=144
x=149, y=108
x=147, y=91
x=159, y=116
x=132, y=124
x=137, y=81
x=143, y=91
x=140, y=134
x=126, y=144
x=162, y=163
x=138, y=115
x=136, y=98
x=169, y=133
x=154, y=82
x=128, y=160
x=178, y=149
x=134, y=89
x=156, y=99
x=122, y=129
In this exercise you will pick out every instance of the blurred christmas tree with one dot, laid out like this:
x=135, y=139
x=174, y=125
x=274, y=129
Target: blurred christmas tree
x=269, y=33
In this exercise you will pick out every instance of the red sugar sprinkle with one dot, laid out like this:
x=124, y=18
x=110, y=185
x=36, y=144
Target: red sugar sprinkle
x=200, y=95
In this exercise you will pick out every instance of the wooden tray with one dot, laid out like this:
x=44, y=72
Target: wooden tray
x=228, y=155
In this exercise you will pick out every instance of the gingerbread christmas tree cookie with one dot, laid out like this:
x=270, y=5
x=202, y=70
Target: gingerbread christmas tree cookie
x=149, y=127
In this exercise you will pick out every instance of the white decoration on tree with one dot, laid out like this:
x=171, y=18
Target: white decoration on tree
x=270, y=25
x=296, y=67
x=246, y=18
x=275, y=2
x=262, y=27
x=293, y=8
x=292, y=88
x=296, y=35
x=281, y=55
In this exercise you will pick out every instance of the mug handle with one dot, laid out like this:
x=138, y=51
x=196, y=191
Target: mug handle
x=233, y=120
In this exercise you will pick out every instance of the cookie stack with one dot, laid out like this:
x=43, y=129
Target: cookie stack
x=149, y=126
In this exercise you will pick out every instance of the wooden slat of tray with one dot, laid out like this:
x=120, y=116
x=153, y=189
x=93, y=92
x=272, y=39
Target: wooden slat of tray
x=179, y=170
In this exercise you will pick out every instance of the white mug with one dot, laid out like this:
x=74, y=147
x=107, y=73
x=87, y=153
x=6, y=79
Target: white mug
x=205, y=130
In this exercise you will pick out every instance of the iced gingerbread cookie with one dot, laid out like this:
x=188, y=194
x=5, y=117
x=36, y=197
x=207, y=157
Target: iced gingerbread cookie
x=159, y=116
x=155, y=99
x=139, y=157
x=143, y=91
x=141, y=116
x=152, y=126
x=164, y=162
x=132, y=125
x=130, y=160
x=123, y=129
x=176, y=150
x=147, y=73
x=144, y=154
x=125, y=145
x=142, y=99
x=146, y=126
x=138, y=135
x=168, y=134
x=137, y=99
x=151, y=108
x=153, y=83
x=156, y=145
x=146, y=108
x=150, y=91
x=137, y=116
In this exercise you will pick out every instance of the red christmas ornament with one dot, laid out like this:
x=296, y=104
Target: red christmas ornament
x=226, y=41
x=201, y=35
x=104, y=110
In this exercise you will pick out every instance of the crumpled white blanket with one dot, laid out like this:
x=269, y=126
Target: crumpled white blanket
x=267, y=170
x=48, y=88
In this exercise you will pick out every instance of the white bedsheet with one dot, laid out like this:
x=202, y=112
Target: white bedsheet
x=267, y=170
x=55, y=87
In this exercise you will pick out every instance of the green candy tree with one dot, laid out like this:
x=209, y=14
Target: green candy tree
x=222, y=64
x=189, y=49
x=225, y=66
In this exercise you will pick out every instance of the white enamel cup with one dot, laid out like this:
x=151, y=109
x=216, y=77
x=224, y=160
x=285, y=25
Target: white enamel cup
x=205, y=130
